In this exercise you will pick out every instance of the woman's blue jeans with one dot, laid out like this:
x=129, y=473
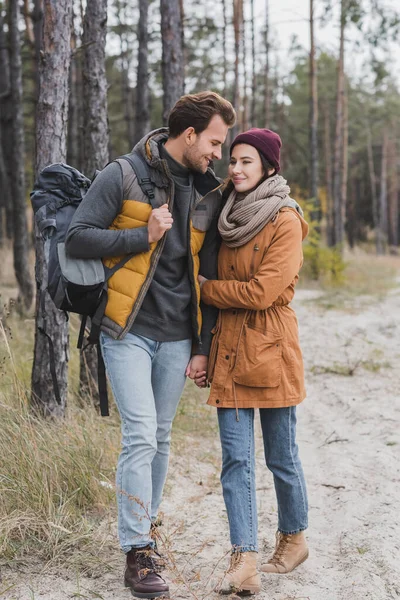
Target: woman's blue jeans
x=147, y=379
x=238, y=472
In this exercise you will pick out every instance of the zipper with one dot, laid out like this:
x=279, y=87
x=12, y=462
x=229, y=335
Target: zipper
x=153, y=265
x=195, y=298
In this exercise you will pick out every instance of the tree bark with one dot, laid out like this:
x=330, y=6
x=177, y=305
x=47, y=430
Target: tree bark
x=237, y=26
x=253, y=115
x=267, y=93
x=344, y=161
x=173, y=71
x=51, y=137
x=17, y=151
x=245, y=95
x=313, y=119
x=75, y=108
x=224, y=59
x=126, y=89
x=6, y=124
x=330, y=235
x=383, y=203
x=142, y=125
x=393, y=192
x=374, y=191
x=338, y=144
x=95, y=140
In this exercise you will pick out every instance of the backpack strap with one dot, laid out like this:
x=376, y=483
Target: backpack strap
x=142, y=171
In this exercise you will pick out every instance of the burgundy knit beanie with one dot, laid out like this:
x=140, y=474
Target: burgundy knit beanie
x=266, y=141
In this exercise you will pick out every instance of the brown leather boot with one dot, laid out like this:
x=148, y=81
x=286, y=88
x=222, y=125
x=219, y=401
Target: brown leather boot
x=290, y=551
x=242, y=575
x=141, y=575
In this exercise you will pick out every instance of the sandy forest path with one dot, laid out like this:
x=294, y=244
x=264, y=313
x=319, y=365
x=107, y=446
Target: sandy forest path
x=349, y=439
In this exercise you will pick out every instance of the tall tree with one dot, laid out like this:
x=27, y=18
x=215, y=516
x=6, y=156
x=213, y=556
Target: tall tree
x=253, y=116
x=95, y=137
x=383, y=203
x=267, y=93
x=6, y=124
x=75, y=108
x=51, y=137
x=125, y=41
x=17, y=150
x=393, y=190
x=237, y=27
x=313, y=117
x=142, y=123
x=224, y=47
x=338, y=142
x=173, y=68
x=5, y=93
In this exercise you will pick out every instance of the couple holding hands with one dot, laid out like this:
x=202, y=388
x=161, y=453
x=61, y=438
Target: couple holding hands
x=206, y=295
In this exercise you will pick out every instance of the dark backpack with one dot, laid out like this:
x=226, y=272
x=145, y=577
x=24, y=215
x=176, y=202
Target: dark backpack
x=74, y=284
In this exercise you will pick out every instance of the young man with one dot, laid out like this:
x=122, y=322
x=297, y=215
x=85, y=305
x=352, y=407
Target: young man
x=154, y=331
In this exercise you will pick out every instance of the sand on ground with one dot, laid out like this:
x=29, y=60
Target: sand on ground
x=348, y=433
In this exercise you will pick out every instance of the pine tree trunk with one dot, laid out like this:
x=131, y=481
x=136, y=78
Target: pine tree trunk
x=95, y=141
x=126, y=90
x=313, y=119
x=224, y=47
x=142, y=125
x=237, y=26
x=5, y=197
x=344, y=160
x=51, y=136
x=6, y=124
x=330, y=234
x=338, y=144
x=374, y=191
x=267, y=93
x=393, y=192
x=173, y=70
x=17, y=151
x=245, y=96
x=383, y=203
x=75, y=108
x=253, y=115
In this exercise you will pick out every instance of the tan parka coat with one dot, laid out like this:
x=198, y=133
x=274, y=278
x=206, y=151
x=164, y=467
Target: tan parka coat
x=255, y=359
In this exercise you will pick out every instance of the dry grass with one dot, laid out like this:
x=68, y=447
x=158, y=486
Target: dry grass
x=365, y=275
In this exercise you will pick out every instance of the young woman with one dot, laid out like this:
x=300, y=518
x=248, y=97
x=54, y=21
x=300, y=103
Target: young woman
x=255, y=359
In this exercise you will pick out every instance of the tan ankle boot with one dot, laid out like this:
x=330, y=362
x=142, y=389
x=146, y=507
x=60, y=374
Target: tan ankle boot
x=290, y=551
x=242, y=575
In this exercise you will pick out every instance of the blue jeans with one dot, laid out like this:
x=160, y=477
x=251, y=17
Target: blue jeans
x=147, y=379
x=238, y=472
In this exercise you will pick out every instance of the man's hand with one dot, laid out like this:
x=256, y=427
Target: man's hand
x=159, y=222
x=197, y=370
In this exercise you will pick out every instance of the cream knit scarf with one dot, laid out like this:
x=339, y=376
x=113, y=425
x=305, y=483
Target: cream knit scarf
x=242, y=219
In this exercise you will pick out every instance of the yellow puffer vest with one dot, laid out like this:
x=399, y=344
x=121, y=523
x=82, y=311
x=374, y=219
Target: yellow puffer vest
x=128, y=286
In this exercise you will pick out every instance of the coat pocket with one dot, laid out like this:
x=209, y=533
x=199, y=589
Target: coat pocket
x=259, y=358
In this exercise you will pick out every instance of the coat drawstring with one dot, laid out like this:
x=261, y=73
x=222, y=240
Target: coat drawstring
x=247, y=313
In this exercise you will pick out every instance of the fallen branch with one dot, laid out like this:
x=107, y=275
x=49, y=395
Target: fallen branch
x=335, y=487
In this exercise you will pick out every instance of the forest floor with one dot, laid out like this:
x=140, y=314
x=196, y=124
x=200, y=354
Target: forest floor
x=349, y=438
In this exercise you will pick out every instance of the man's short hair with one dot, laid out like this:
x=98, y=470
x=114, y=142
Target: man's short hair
x=197, y=110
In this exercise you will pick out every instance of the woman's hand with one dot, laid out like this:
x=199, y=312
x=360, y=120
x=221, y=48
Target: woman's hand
x=201, y=280
x=197, y=370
